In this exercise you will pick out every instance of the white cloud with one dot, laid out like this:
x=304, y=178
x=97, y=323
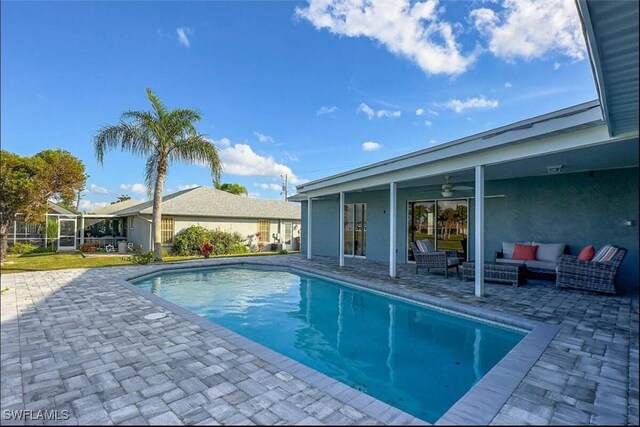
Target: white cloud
x=432, y=142
x=428, y=123
x=371, y=113
x=290, y=156
x=274, y=187
x=183, y=38
x=96, y=189
x=529, y=29
x=264, y=138
x=187, y=186
x=326, y=110
x=508, y=85
x=223, y=142
x=414, y=30
x=364, y=108
x=240, y=159
x=90, y=206
x=371, y=146
x=470, y=103
x=134, y=188
x=433, y=112
x=556, y=66
x=419, y=111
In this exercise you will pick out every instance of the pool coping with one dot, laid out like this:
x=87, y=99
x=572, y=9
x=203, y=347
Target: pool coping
x=478, y=406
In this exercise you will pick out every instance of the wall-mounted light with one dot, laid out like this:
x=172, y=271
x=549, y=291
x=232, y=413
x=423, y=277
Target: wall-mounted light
x=554, y=169
x=628, y=223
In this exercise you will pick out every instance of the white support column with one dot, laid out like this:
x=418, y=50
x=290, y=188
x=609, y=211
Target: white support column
x=81, y=229
x=392, y=229
x=309, y=208
x=15, y=227
x=341, y=225
x=46, y=223
x=479, y=231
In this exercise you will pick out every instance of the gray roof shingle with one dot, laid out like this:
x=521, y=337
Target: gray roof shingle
x=209, y=202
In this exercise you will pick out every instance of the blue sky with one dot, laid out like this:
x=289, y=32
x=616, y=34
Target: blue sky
x=309, y=89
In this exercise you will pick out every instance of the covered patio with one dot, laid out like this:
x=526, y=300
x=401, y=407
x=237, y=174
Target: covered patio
x=559, y=177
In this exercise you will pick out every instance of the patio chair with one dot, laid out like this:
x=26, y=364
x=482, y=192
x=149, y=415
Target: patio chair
x=598, y=276
x=428, y=258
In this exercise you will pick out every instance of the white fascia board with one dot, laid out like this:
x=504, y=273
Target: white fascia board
x=563, y=121
x=506, y=153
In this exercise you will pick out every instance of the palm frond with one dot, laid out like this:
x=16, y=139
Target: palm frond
x=151, y=173
x=198, y=149
x=158, y=106
x=130, y=137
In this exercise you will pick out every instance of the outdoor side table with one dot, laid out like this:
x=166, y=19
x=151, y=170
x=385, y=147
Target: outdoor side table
x=494, y=272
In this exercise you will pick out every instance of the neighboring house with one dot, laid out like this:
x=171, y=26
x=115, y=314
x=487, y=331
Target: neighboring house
x=568, y=176
x=275, y=221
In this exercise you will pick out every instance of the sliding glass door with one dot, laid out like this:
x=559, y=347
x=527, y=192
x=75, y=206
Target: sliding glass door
x=442, y=222
x=355, y=229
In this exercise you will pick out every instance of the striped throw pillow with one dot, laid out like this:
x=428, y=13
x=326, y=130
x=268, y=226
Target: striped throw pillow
x=421, y=246
x=605, y=254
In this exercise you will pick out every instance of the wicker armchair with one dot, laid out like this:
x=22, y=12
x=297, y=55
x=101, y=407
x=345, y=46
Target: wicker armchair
x=442, y=260
x=588, y=275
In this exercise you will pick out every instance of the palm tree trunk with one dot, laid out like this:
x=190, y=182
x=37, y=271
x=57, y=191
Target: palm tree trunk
x=157, y=211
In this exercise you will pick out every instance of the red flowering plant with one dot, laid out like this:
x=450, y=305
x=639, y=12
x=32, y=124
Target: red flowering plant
x=206, y=250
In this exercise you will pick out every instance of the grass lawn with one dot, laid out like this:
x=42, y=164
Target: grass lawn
x=59, y=261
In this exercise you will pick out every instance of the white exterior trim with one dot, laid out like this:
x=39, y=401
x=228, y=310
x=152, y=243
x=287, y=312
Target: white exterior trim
x=479, y=231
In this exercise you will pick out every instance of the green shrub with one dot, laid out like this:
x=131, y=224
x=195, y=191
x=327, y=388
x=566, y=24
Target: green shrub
x=190, y=240
x=42, y=250
x=283, y=252
x=22, y=248
x=238, y=249
x=141, y=257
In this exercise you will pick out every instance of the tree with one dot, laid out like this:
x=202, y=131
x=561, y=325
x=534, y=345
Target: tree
x=121, y=198
x=27, y=183
x=163, y=137
x=233, y=188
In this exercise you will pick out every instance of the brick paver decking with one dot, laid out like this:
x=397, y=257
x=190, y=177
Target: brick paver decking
x=77, y=341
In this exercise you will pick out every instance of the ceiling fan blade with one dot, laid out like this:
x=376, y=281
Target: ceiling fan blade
x=462, y=188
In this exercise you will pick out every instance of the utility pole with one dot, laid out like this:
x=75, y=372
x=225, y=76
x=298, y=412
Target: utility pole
x=285, y=186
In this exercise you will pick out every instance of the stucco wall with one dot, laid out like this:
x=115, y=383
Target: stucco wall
x=578, y=209
x=139, y=231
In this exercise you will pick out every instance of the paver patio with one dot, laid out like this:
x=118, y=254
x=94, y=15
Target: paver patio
x=77, y=341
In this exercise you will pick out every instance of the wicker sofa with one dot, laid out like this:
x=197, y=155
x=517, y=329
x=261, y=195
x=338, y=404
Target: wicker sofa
x=589, y=275
x=547, y=257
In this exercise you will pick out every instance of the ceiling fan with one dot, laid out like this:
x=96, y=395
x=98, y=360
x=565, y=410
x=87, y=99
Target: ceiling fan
x=448, y=188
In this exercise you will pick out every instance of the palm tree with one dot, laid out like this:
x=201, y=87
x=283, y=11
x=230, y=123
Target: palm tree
x=163, y=137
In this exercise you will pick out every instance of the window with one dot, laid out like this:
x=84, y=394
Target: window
x=355, y=229
x=263, y=229
x=167, y=230
x=288, y=232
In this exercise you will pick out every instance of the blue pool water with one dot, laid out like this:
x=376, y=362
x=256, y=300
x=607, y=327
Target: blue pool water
x=417, y=359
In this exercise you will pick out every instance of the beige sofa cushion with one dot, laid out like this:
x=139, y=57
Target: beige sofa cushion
x=549, y=252
x=510, y=261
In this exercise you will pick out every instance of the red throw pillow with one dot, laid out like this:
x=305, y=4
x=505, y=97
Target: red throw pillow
x=525, y=252
x=587, y=253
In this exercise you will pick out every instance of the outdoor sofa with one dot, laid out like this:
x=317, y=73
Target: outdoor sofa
x=427, y=257
x=546, y=258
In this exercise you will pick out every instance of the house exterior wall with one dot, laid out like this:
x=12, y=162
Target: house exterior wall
x=578, y=209
x=139, y=231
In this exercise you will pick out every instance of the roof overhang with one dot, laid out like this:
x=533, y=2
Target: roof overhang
x=566, y=129
x=611, y=34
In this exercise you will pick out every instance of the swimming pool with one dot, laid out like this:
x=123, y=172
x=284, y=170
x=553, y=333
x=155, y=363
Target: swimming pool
x=416, y=358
